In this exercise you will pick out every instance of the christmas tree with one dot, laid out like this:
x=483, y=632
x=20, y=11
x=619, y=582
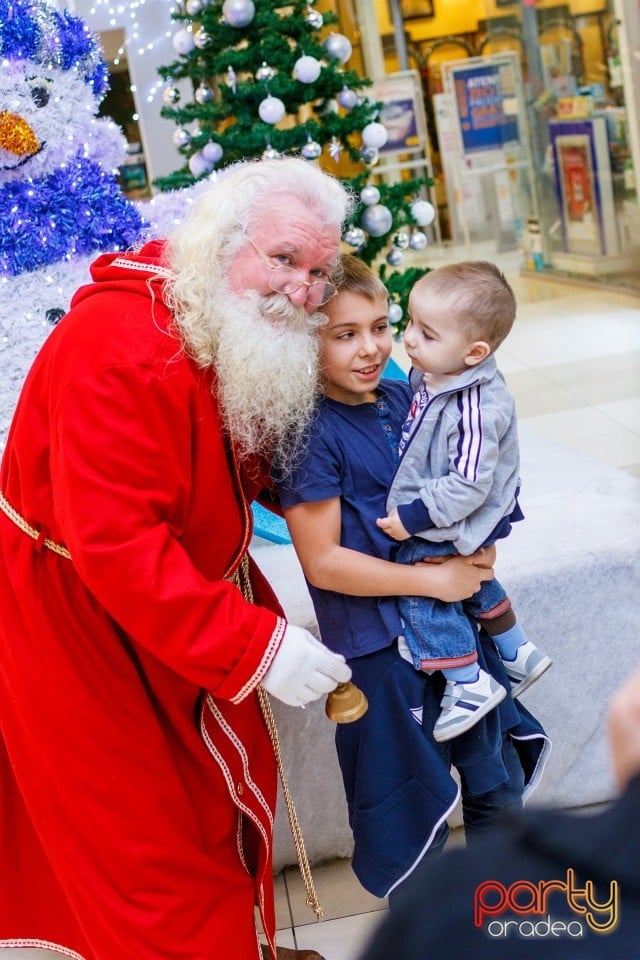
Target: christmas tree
x=269, y=80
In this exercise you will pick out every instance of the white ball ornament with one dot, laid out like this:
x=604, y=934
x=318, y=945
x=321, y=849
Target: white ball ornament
x=271, y=109
x=423, y=212
x=347, y=98
x=395, y=313
x=418, y=240
x=306, y=69
x=238, y=13
x=198, y=164
x=375, y=135
x=183, y=42
x=212, y=152
x=354, y=236
x=194, y=7
x=369, y=195
x=338, y=46
x=376, y=220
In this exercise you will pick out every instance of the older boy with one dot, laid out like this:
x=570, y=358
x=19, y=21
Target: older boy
x=397, y=780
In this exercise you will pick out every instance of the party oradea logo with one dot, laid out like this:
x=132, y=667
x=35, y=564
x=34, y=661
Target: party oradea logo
x=524, y=910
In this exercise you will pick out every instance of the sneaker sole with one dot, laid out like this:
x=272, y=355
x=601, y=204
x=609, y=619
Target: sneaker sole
x=441, y=736
x=531, y=678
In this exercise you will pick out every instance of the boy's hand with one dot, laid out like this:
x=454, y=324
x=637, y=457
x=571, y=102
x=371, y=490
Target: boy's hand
x=392, y=525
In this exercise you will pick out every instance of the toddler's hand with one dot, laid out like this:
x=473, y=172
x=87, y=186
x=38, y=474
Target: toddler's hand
x=392, y=526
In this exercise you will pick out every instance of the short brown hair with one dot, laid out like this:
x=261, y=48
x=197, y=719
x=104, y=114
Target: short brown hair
x=479, y=296
x=354, y=276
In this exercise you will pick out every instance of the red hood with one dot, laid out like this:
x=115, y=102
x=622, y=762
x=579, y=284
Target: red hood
x=127, y=272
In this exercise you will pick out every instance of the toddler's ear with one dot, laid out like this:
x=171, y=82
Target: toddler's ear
x=479, y=350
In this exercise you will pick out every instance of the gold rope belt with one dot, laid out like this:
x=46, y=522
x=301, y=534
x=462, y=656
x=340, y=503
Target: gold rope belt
x=242, y=581
x=20, y=522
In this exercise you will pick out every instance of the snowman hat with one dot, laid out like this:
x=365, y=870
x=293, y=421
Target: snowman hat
x=35, y=30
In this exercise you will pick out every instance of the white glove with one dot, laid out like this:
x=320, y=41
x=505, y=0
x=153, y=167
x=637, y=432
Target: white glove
x=303, y=668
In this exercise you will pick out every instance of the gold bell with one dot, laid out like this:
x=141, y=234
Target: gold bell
x=346, y=703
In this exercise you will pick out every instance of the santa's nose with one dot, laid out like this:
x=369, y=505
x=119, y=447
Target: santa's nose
x=16, y=136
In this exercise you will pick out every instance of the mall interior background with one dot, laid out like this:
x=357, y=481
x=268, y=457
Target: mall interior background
x=553, y=172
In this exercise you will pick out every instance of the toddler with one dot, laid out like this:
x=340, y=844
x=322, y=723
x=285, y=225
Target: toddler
x=456, y=486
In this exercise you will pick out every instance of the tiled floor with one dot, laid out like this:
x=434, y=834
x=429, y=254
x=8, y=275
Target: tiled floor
x=573, y=364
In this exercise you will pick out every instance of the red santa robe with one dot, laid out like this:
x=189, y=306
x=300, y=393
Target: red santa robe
x=137, y=778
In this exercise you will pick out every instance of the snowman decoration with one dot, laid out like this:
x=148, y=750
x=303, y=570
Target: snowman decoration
x=60, y=204
x=58, y=194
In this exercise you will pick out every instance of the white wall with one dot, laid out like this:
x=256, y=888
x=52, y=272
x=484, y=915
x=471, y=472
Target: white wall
x=151, y=22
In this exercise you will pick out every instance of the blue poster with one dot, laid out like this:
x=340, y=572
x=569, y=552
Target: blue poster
x=482, y=119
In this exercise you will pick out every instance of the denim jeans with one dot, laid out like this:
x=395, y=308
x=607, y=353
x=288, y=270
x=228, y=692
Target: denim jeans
x=441, y=635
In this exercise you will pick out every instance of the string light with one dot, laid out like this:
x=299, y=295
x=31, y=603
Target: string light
x=135, y=44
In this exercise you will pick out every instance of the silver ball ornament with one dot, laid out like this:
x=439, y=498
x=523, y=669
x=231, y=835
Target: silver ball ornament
x=375, y=135
x=212, y=152
x=418, y=240
x=395, y=313
x=238, y=13
x=198, y=164
x=271, y=153
x=376, y=220
x=306, y=69
x=395, y=257
x=369, y=195
x=201, y=39
x=265, y=72
x=194, y=7
x=311, y=150
x=338, y=47
x=423, y=212
x=347, y=98
x=369, y=155
x=183, y=42
x=171, y=95
x=181, y=137
x=354, y=236
x=313, y=19
x=203, y=94
x=401, y=241
x=271, y=109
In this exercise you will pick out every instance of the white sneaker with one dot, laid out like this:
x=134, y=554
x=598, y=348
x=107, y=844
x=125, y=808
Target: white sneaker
x=463, y=704
x=529, y=665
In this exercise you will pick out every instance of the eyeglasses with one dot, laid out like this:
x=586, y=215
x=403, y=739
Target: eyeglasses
x=284, y=279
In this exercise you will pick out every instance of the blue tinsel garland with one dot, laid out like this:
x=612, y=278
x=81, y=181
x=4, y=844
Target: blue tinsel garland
x=78, y=209
x=35, y=30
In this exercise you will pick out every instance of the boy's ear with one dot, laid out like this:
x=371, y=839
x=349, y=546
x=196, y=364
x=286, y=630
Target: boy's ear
x=479, y=350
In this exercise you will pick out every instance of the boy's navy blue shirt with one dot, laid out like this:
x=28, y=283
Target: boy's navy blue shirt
x=353, y=448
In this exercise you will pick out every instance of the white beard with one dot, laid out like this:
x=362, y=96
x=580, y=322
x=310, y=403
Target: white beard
x=266, y=362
